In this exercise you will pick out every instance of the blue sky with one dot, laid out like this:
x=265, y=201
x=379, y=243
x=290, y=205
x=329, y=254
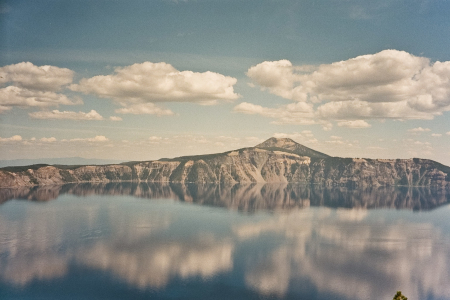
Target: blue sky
x=138, y=80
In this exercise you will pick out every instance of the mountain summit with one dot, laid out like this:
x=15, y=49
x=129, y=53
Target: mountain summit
x=273, y=161
x=291, y=146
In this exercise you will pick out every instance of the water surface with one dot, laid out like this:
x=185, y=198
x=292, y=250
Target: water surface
x=133, y=241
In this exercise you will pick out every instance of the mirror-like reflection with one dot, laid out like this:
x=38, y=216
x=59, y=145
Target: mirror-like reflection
x=91, y=244
x=250, y=197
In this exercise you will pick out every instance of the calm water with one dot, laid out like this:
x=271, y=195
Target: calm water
x=129, y=241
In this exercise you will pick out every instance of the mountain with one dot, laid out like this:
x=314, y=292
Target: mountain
x=289, y=145
x=57, y=161
x=275, y=160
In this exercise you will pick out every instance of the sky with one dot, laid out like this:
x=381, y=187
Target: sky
x=150, y=79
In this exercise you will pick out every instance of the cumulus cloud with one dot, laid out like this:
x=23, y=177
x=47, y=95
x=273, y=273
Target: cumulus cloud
x=436, y=135
x=98, y=138
x=299, y=113
x=419, y=130
x=48, y=140
x=276, y=76
x=356, y=109
x=34, y=86
x=155, y=138
x=158, y=82
x=354, y=124
x=306, y=136
x=44, y=78
x=389, y=84
x=144, y=109
x=115, y=118
x=66, y=115
x=14, y=138
x=15, y=96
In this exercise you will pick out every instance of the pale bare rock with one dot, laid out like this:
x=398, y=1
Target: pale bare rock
x=274, y=161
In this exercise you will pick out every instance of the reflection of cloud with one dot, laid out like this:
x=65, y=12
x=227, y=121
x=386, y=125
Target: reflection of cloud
x=142, y=252
x=342, y=255
x=28, y=268
x=29, y=243
x=156, y=262
x=127, y=240
x=272, y=274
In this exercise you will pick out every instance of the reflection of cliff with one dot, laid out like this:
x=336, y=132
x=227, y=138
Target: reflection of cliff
x=250, y=197
x=335, y=253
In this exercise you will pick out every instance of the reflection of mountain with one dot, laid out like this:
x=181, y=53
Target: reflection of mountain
x=250, y=197
x=158, y=245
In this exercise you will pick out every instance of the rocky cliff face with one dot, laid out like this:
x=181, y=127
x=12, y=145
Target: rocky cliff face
x=274, y=161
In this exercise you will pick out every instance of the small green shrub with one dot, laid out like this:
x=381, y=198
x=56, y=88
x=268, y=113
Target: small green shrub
x=399, y=296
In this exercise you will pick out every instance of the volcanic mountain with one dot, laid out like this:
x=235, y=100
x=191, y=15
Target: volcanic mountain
x=273, y=161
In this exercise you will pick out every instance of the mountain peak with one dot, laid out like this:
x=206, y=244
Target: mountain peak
x=291, y=146
x=277, y=142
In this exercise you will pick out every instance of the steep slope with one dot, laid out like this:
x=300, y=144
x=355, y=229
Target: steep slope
x=289, y=145
x=275, y=160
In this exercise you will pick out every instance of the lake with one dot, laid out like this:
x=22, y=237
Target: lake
x=177, y=241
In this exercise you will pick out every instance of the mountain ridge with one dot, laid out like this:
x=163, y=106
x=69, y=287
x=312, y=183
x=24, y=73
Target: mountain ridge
x=273, y=161
x=291, y=145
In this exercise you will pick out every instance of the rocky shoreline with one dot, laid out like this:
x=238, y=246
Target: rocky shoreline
x=274, y=161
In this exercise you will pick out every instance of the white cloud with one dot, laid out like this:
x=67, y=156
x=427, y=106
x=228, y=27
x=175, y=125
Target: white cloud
x=336, y=142
x=419, y=130
x=98, y=138
x=14, y=138
x=144, y=109
x=354, y=124
x=307, y=133
x=115, y=118
x=16, y=96
x=294, y=136
x=299, y=113
x=448, y=133
x=155, y=138
x=158, y=82
x=4, y=108
x=48, y=140
x=66, y=115
x=277, y=76
x=31, y=77
x=306, y=136
x=356, y=109
x=389, y=84
x=436, y=135
x=33, y=86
